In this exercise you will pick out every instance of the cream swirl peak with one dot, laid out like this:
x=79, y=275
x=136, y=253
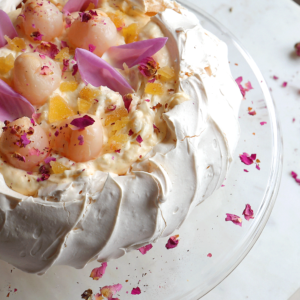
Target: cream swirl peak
x=103, y=215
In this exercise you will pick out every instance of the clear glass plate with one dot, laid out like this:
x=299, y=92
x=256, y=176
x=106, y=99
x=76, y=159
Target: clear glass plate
x=186, y=272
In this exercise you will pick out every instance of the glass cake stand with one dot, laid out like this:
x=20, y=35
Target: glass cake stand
x=186, y=272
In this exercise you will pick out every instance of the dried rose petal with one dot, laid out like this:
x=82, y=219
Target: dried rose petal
x=145, y=249
x=257, y=167
x=64, y=44
x=263, y=123
x=92, y=48
x=66, y=63
x=82, y=122
x=156, y=128
x=49, y=159
x=43, y=178
x=47, y=48
x=275, y=77
x=127, y=99
x=284, y=84
x=297, y=47
x=24, y=140
x=45, y=70
x=148, y=67
x=86, y=295
x=111, y=107
x=246, y=170
x=247, y=159
x=78, y=5
x=234, y=219
x=133, y=53
x=136, y=291
x=130, y=133
x=98, y=297
x=12, y=104
x=98, y=72
x=37, y=36
x=98, y=273
x=75, y=70
x=252, y=113
x=19, y=157
x=81, y=140
x=172, y=242
x=248, y=212
x=139, y=139
x=6, y=28
x=209, y=255
x=109, y=291
x=295, y=176
x=247, y=88
x=34, y=151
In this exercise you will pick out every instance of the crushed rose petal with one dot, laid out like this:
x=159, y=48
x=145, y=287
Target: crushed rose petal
x=45, y=70
x=34, y=151
x=19, y=157
x=284, y=84
x=24, y=140
x=81, y=140
x=275, y=77
x=147, y=100
x=111, y=107
x=92, y=48
x=86, y=295
x=234, y=219
x=172, y=242
x=148, y=67
x=43, y=178
x=64, y=44
x=145, y=249
x=85, y=17
x=297, y=48
x=49, y=159
x=47, y=48
x=139, y=139
x=66, y=63
x=75, y=70
x=246, y=170
x=37, y=36
x=130, y=133
x=127, y=99
x=252, y=113
x=83, y=122
x=110, y=291
x=136, y=291
x=248, y=212
x=209, y=255
x=263, y=123
x=295, y=176
x=247, y=159
x=98, y=273
x=242, y=89
x=257, y=167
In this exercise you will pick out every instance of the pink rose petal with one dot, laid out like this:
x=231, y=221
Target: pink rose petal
x=92, y=48
x=252, y=113
x=247, y=159
x=34, y=151
x=145, y=249
x=49, y=159
x=19, y=157
x=78, y=5
x=172, y=242
x=45, y=70
x=295, y=176
x=24, y=140
x=81, y=140
x=209, y=255
x=246, y=170
x=82, y=122
x=284, y=84
x=275, y=77
x=127, y=99
x=64, y=44
x=133, y=53
x=66, y=63
x=297, y=47
x=75, y=69
x=136, y=291
x=248, y=212
x=12, y=104
x=47, y=48
x=263, y=123
x=139, y=139
x=98, y=273
x=6, y=28
x=37, y=36
x=110, y=291
x=257, y=167
x=147, y=67
x=130, y=133
x=98, y=72
x=247, y=88
x=234, y=219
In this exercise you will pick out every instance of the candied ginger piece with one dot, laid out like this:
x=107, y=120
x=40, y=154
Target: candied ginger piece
x=116, y=142
x=117, y=20
x=15, y=44
x=88, y=93
x=63, y=54
x=166, y=73
x=59, y=110
x=130, y=33
x=116, y=115
x=68, y=86
x=120, y=123
x=154, y=89
x=57, y=167
x=84, y=105
x=6, y=63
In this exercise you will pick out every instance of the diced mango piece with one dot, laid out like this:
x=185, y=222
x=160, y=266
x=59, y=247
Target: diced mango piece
x=116, y=142
x=130, y=33
x=57, y=167
x=84, y=105
x=117, y=114
x=120, y=123
x=117, y=20
x=88, y=94
x=59, y=110
x=6, y=63
x=16, y=44
x=68, y=86
x=154, y=88
x=62, y=54
x=166, y=73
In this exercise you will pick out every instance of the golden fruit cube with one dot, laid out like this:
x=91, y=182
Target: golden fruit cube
x=116, y=115
x=120, y=123
x=130, y=33
x=88, y=93
x=57, y=167
x=63, y=54
x=166, y=73
x=84, y=105
x=117, y=20
x=154, y=88
x=15, y=44
x=59, y=110
x=116, y=142
x=6, y=63
x=68, y=86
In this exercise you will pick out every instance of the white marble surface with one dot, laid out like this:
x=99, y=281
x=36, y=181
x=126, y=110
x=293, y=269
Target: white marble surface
x=268, y=30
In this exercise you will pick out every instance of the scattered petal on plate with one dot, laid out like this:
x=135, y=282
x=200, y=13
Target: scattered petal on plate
x=295, y=176
x=247, y=159
x=98, y=72
x=145, y=249
x=275, y=77
x=234, y=219
x=12, y=104
x=136, y=291
x=172, y=242
x=209, y=255
x=284, y=84
x=87, y=294
x=257, y=167
x=297, y=47
x=132, y=54
x=246, y=171
x=99, y=297
x=263, y=123
x=110, y=291
x=78, y=5
x=97, y=273
x=6, y=28
x=252, y=113
x=248, y=212
x=247, y=88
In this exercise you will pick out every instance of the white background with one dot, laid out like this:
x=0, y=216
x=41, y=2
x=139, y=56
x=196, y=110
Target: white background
x=268, y=29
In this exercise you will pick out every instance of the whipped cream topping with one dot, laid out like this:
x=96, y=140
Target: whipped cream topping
x=103, y=216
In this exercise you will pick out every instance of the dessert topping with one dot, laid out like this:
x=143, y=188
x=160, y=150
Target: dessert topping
x=98, y=273
x=145, y=249
x=81, y=123
x=247, y=88
x=234, y=219
x=110, y=291
x=47, y=48
x=148, y=67
x=172, y=242
x=136, y=291
x=248, y=212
